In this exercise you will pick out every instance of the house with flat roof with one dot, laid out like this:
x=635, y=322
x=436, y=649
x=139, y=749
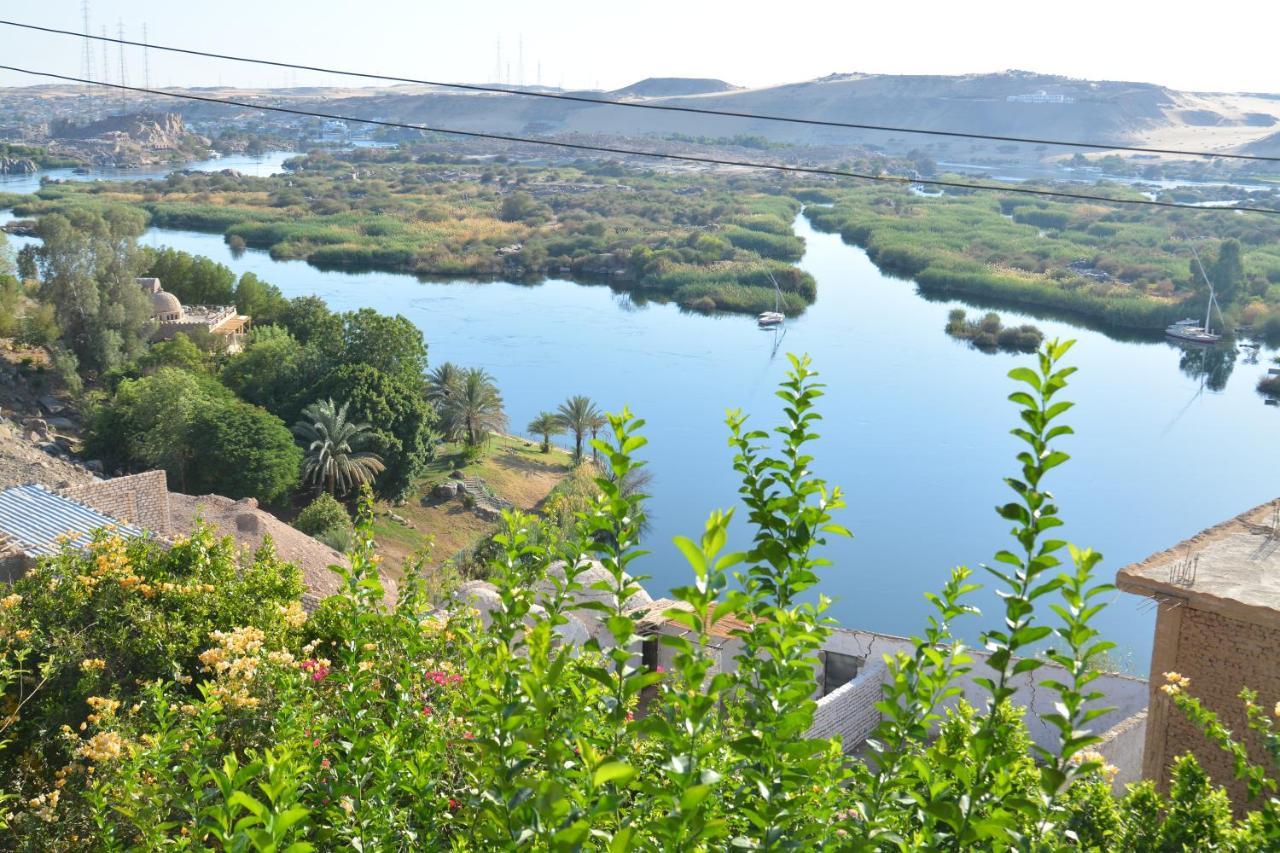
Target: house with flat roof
x=172, y=317
x=1217, y=596
x=36, y=522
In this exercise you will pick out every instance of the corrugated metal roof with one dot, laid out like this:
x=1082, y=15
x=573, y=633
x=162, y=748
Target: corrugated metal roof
x=37, y=521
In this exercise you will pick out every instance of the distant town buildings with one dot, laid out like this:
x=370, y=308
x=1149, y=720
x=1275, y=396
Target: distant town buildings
x=172, y=317
x=1040, y=97
x=1218, y=624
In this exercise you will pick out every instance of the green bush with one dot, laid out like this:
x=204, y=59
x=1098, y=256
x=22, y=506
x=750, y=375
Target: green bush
x=173, y=698
x=324, y=513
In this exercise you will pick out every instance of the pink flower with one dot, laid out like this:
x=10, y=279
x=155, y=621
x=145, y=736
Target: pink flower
x=468, y=736
x=315, y=742
x=324, y=764
x=427, y=710
x=630, y=717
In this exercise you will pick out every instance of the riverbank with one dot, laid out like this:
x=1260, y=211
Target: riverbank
x=708, y=242
x=443, y=523
x=1126, y=269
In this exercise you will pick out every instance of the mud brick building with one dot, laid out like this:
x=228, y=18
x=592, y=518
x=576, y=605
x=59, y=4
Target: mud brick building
x=1218, y=624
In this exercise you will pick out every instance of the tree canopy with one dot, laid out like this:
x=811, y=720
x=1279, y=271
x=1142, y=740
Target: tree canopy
x=90, y=260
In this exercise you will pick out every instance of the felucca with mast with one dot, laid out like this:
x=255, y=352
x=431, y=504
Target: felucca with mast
x=1189, y=330
x=774, y=317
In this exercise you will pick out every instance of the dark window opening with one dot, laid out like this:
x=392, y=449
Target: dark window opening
x=838, y=670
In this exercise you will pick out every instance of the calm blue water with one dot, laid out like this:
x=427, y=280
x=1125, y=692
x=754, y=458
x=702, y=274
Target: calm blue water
x=915, y=429
x=258, y=166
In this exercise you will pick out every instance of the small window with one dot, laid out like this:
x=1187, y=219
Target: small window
x=649, y=653
x=838, y=670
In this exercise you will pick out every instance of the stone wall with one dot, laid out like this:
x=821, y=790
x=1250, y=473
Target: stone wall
x=850, y=711
x=1221, y=655
x=1122, y=747
x=139, y=499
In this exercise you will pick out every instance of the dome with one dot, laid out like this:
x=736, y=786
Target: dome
x=592, y=573
x=165, y=306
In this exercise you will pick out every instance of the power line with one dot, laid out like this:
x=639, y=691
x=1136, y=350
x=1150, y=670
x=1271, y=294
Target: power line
x=561, y=96
x=634, y=152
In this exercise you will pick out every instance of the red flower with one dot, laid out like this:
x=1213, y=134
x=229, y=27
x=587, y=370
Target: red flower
x=427, y=710
x=453, y=804
x=468, y=736
x=630, y=717
x=315, y=742
x=324, y=764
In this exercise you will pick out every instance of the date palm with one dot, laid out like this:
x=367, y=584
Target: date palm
x=546, y=424
x=577, y=414
x=596, y=424
x=441, y=380
x=472, y=407
x=334, y=457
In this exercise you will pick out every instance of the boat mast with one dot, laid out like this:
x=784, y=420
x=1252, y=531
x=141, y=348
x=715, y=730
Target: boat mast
x=1208, y=309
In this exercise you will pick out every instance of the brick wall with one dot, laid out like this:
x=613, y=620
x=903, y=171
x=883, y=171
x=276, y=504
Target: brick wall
x=1121, y=746
x=1220, y=655
x=850, y=711
x=139, y=499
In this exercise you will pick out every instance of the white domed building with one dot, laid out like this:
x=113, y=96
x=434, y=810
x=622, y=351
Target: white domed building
x=171, y=317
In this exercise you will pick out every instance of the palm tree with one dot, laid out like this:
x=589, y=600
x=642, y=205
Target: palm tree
x=440, y=380
x=597, y=423
x=473, y=407
x=546, y=425
x=576, y=415
x=334, y=458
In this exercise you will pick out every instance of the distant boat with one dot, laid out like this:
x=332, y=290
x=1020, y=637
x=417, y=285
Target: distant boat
x=775, y=317
x=1190, y=330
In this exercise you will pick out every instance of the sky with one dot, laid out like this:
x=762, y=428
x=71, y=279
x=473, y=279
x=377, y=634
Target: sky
x=577, y=44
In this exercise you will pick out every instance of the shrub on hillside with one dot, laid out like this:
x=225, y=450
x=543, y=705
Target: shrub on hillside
x=322, y=514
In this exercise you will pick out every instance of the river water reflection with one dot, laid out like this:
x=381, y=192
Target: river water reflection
x=915, y=424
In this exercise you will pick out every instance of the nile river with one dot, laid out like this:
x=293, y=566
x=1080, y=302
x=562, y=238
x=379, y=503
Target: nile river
x=915, y=426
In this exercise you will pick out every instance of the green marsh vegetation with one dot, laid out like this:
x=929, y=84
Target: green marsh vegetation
x=989, y=333
x=706, y=241
x=1126, y=267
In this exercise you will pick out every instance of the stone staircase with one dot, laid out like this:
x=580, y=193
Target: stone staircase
x=487, y=505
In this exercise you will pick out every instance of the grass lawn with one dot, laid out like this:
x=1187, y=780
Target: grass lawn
x=513, y=468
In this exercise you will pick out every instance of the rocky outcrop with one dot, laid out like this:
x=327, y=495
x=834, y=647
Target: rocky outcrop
x=18, y=166
x=146, y=129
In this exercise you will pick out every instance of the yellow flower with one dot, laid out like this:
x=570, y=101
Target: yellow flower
x=347, y=805
x=294, y=615
x=93, y=664
x=104, y=746
x=10, y=601
x=22, y=634
x=1176, y=683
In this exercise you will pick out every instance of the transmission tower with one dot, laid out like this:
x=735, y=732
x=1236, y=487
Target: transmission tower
x=146, y=59
x=88, y=48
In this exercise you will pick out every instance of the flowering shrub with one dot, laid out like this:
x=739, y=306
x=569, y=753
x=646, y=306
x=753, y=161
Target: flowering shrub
x=172, y=699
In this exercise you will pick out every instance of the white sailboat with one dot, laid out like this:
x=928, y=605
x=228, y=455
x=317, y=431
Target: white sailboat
x=1190, y=330
x=775, y=317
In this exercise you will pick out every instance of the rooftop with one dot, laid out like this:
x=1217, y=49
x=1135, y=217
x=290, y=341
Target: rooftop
x=250, y=527
x=1233, y=568
x=36, y=521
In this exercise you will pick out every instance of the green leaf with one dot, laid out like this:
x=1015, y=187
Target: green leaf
x=612, y=771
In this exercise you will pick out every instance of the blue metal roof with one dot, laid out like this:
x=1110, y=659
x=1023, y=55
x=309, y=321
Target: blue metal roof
x=38, y=522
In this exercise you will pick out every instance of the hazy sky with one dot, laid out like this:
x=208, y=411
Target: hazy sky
x=1228, y=45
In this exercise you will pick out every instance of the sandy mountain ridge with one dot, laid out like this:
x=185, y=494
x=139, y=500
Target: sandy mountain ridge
x=1013, y=103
